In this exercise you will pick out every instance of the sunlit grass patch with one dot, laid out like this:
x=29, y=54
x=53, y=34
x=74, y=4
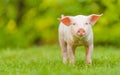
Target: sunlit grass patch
x=46, y=60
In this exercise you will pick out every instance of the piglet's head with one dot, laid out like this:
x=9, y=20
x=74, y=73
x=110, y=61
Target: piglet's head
x=80, y=25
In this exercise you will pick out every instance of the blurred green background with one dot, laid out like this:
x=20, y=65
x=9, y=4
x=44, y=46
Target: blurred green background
x=27, y=23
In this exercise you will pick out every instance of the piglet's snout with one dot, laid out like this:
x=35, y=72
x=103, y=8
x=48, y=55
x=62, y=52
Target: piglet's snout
x=81, y=32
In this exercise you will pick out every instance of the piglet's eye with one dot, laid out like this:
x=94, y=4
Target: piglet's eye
x=86, y=23
x=74, y=24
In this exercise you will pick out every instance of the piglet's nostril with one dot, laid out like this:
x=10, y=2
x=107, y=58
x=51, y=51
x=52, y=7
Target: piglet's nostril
x=81, y=31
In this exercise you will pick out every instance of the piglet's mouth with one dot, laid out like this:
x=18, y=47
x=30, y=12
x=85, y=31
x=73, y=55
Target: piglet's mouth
x=80, y=36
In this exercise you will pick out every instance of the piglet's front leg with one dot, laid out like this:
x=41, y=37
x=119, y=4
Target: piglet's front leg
x=89, y=50
x=71, y=52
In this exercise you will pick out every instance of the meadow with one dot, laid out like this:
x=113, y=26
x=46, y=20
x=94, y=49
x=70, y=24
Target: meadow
x=46, y=60
x=25, y=24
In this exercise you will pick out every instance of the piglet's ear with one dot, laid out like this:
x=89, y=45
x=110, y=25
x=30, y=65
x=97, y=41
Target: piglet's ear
x=65, y=20
x=94, y=18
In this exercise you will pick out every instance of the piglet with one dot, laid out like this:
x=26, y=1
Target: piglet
x=76, y=31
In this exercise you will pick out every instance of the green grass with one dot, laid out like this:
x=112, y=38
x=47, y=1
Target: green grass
x=47, y=60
